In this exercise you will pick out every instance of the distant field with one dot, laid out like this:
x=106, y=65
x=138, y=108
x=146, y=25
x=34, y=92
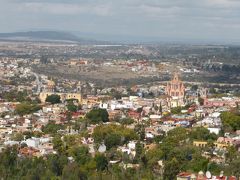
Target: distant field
x=99, y=75
x=111, y=76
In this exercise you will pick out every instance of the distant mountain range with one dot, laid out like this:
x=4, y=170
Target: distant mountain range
x=47, y=36
x=99, y=39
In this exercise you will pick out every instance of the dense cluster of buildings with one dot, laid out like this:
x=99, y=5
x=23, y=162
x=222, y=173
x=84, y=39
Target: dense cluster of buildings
x=156, y=109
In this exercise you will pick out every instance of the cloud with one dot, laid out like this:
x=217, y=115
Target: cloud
x=66, y=9
x=162, y=18
x=141, y=8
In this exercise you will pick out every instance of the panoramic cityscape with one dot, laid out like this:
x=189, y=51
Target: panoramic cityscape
x=107, y=90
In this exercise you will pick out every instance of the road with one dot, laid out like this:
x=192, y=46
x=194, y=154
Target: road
x=38, y=82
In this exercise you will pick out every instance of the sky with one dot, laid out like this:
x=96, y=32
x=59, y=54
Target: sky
x=161, y=19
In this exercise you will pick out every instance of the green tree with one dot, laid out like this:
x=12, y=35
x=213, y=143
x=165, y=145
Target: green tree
x=53, y=99
x=171, y=169
x=18, y=137
x=140, y=129
x=125, y=121
x=58, y=144
x=72, y=107
x=97, y=115
x=8, y=162
x=231, y=121
x=197, y=162
x=153, y=156
x=235, y=167
x=176, y=110
x=28, y=134
x=103, y=132
x=80, y=154
x=70, y=140
x=201, y=133
x=56, y=163
x=175, y=138
x=101, y=162
x=15, y=96
x=231, y=154
x=26, y=108
x=112, y=140
x=177, y=135
x=139, y=151
x=72, y=172
x=52, y=128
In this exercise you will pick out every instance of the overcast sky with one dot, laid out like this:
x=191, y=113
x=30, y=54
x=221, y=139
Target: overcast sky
x=180, y=19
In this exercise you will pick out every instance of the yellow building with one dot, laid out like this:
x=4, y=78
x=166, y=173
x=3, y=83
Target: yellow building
x=63, y=96
x=221, y=145
x=50, y=90
x=200, y=143
x=216, y=144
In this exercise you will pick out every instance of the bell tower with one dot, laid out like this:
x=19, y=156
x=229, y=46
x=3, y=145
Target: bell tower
x=50, y=86
x=79, y=87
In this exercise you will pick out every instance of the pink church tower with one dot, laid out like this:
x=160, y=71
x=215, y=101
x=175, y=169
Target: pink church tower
x=175, y=88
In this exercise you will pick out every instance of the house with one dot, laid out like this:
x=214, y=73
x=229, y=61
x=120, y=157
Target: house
x=186, y=176
x=202, y=176
x=219, y=144
x=32, y=142
x=134, y=115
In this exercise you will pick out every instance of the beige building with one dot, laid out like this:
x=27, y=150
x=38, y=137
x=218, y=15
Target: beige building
x=50, y=90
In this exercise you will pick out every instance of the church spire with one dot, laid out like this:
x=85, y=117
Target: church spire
x=175, y=77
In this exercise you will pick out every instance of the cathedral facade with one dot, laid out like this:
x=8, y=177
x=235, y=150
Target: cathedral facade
x=175, y=89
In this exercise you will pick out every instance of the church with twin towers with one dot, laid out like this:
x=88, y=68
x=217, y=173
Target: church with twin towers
x=175, y=89
x=50, y=89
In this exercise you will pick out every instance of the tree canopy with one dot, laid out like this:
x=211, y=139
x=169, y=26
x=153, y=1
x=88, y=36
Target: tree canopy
x=72, y=107
x=113, y=135
x=97, y=115
x=26, y=108
x=231, y=121
x=52, y=128
x=176, y=110
x=53, y=99
x=202, y=134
